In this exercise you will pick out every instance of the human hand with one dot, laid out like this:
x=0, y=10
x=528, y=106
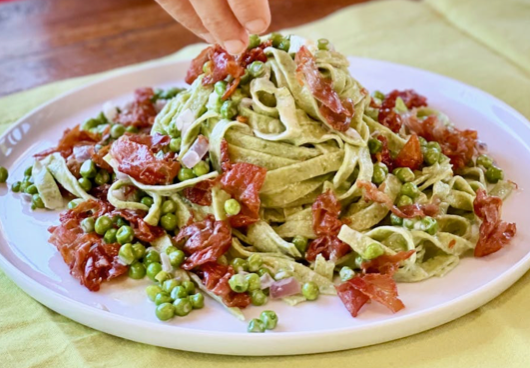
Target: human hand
x=227, y=22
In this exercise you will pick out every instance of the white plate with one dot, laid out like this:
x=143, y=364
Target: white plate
x=314, y=327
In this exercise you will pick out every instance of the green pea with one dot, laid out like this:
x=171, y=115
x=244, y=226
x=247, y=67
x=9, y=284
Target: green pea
x=404, y=201
x=32, y=189
x=37, y=201
x=152, y=291
x=173, y=131
x=148, y=201
x=346, y=273
x=379, y=95
x=28, y=171
x=323, y=44
x=88, y=224
x=358, y=261
x=179, y=292
x=310, y=290
x=197, y=301
x=239, y=265
x=494, y=174
x=395, y=220
x=276, y=38
x=220, y=87
x=207, y=67
x=410, y=189
x=404, y=174
x=189, y=287
x=431, y=156
x=126, y=254
x=151, y=256
x=269, y=318
x=88, y=169
x=162, y=298
x=254, y=262
x=137, y=271
x=117, y=131
x=168, y=206
x=202, y=168
x=16, y=186
x=162, y=276
x=103, y=224
x=132, y=129
x=284, y=45
x=423, y=141
x=253, y=281
x=119, y=221
x=153, y=269
x=175, y=144
x=90, y=124
x=262, y=271
x=182, y=306
x=138, y=250
x=165, y=311
x=169, y=285
x=380, y=173
x=300, y=242
x=253, y=41
x=85, y=183
x=176, y=258
x=4, y=174
x=485, y=161
x=256, y=325
x=408, y=223
x=245, y=79
x=258, y=297
x=110, y=236
x=375, y=146
x=238, y=283
x=256, y=69
x=125, y=234
x=434, y=145
x=429, y=225
x=228, y=110
x=232, y=207
x=185, y=174
x=102, y=177
x=169, y=222
x=373, y=250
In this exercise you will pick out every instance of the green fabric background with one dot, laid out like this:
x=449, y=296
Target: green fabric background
x=485, y=43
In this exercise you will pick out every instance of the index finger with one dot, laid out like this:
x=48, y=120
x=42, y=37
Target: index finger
x=254, y=15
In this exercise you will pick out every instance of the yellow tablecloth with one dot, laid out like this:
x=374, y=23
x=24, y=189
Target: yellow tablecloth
x=485, y=43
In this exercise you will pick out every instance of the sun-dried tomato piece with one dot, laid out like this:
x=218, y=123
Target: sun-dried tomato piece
x=230, y=89
x=386, y=264
x=142, y=230
x=330, y=246
x=351, y=297
x=135, y=157
x=458, y=145
x=142, y=112
x=410, y=155
x=389, y=117
x=420, y=210
x=225, y=156
x=195, y=68
x=90, y=259
x=97, y=157
x=254, y=54
x=494, y=233
x=204, y=242
x=243, y=182
x=215, y=277
x=200, y=193
x=338, y=113
x=71, y=138
x=374, y=286
x=384, y=155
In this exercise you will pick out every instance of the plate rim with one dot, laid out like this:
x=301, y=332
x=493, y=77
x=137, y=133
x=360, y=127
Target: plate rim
x=464, y=303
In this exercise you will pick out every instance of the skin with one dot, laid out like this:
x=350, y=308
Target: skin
x=226, y=22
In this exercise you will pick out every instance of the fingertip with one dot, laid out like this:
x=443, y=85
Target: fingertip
x=234, y=47
x=256, y=26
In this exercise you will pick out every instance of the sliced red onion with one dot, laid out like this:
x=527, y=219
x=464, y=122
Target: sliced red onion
x=83, y=153
x=185, y=118
x=110, y=111
x=166, y=264
x=286, y=287
x=198, y=149
x=266, y=281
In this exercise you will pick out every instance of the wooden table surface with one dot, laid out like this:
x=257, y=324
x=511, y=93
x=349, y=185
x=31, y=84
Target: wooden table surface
x=42, y=41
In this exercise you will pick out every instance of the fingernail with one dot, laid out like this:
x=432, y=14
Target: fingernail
x=234, y=46
x=256, y=26
x=208, y=37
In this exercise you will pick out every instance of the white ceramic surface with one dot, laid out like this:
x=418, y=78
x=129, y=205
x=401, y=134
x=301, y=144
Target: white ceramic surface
x=320, y=326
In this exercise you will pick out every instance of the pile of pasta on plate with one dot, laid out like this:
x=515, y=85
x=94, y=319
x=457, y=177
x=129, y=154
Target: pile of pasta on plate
x=273, y=175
